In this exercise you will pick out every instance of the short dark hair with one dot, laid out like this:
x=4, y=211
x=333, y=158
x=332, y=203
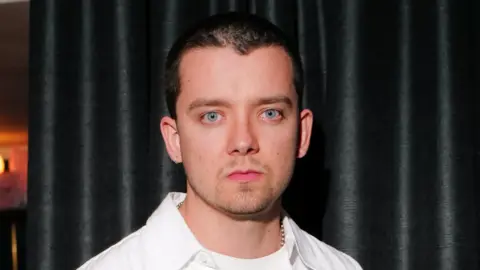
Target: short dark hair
x=243, y=32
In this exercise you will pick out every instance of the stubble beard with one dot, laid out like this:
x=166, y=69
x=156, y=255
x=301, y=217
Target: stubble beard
x=243, y=201
x=246, y=201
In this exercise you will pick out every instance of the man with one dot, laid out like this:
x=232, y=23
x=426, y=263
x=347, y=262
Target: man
x=233, y=88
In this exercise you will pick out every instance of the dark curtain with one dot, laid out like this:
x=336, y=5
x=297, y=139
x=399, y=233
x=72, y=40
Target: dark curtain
x=393, y=171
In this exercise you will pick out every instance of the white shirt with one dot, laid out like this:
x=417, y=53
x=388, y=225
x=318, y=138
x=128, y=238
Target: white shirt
x=278, y=260
x=166, y=243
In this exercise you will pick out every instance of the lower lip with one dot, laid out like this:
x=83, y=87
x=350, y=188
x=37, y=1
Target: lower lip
x=251, y=176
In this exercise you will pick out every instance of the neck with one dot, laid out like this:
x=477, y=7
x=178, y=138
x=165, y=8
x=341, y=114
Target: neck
x=240, y=238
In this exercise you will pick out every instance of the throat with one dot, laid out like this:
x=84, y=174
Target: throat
x=246, y=239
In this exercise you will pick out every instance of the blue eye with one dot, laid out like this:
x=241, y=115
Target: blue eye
x=211, y=117
x=271, y=114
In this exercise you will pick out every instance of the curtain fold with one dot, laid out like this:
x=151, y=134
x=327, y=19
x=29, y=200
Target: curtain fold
x=391, y=175
x=89, y=130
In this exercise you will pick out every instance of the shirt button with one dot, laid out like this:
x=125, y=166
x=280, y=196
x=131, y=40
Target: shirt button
x=204, y=258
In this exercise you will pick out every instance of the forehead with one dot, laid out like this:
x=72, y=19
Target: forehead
x=223, y=72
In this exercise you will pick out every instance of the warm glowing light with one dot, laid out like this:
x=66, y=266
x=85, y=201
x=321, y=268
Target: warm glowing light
x=14, y=248
x=13, y=138
x=2, y=165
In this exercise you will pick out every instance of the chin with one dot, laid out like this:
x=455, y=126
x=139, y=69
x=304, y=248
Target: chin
x=248, y=205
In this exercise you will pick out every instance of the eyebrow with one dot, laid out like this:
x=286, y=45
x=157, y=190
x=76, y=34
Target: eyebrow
x=274, y=100
x=198, y=103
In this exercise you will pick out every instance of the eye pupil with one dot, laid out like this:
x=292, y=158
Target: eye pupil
x=271, y=113
x=212, y=116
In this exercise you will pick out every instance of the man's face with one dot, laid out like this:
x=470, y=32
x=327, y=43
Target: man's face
x=237, y=127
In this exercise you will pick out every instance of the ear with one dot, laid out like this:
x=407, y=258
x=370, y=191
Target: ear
x=306, y=122
x=168, y=127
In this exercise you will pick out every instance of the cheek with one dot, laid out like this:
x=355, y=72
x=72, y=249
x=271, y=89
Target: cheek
x=200, y=147
x=280, y=144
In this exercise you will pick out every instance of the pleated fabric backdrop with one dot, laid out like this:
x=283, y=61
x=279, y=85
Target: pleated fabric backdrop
x=393, y=171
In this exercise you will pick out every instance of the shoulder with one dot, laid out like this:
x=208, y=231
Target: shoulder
x=336, y=258
x=123, y=255
x=162, y=240
x=319, y=255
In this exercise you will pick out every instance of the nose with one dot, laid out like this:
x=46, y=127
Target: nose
x=243, y=139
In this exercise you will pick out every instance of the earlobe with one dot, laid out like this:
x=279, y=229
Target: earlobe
x=306, y=123
x=169, y=130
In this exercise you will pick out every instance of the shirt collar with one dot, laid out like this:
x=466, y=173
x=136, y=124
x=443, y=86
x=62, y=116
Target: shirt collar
x=300, y=243
x=169, y=242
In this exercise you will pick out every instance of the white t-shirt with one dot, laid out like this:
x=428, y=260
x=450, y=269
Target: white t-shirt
x=278, y=260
